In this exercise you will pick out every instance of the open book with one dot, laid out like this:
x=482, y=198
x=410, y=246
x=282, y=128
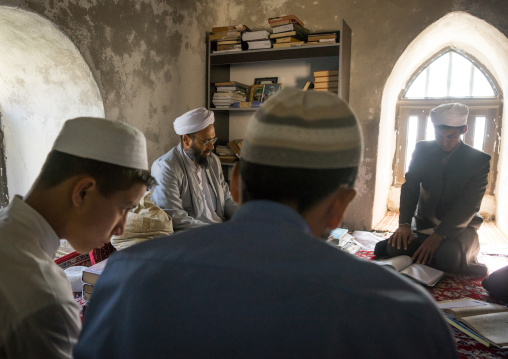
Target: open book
x=420, y=273
x=485, y=322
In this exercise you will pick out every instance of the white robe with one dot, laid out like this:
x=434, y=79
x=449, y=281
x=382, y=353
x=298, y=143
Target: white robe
x=38, y=315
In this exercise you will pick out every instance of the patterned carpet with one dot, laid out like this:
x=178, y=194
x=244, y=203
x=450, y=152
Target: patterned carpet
x=493, y=243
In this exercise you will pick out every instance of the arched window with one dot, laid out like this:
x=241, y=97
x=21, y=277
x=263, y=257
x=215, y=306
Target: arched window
x=450, y=76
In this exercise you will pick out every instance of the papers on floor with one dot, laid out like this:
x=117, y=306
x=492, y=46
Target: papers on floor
x=368, y=240
x=341, y=239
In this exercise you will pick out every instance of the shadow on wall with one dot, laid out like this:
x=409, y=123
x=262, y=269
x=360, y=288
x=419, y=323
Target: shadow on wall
x=477, y=38
x=44, y=81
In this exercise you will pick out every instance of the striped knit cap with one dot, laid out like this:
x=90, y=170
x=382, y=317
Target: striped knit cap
x=304, y=129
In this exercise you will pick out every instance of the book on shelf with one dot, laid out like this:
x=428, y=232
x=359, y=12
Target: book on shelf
x=325, y=85
x=232, y=86
x=259, y=44
x=230, y=28
x=286, y=19
x=334, y=78
x=229, y=47
x=326, y=73
x=247, y=104
x=91, y=274
x=290, y=27
x=287, y=39
x=420, y=273
x=288, y=34
x=255, y=35
x=233, y=145
x=287, y=44
x=327, y=36
x=225, y=35
x=483, y=321
x=231, y=50
x=229, y=42
x=308, y=85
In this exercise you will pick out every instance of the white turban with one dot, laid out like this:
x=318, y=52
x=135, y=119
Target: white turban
x=450, y=114
x=193, y=121
x=103, y=140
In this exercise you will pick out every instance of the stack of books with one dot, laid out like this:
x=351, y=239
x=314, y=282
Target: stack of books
x=287, y=31
x=228, y=93
x=257, y=40
x=321, y=38
x=225, y=154
x=227, y=38
x=90, y=277
x=327, y=80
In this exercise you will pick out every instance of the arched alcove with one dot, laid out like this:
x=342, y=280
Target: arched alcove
x=457, y=30
x=44, y=81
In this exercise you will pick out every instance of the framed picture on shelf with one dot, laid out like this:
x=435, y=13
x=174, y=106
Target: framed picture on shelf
x=265, y=80
x=256, y=93
x=270, y=90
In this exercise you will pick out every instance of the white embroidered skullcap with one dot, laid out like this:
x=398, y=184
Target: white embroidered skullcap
x=103, y=140
x=304, y=129
x=193, y=121
x=450, y=114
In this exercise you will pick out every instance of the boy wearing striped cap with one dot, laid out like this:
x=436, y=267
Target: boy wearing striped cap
x=265, y=284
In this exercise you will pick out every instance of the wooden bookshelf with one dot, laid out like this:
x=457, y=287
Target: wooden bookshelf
x=219, y=65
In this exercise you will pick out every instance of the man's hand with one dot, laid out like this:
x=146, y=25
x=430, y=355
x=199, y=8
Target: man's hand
x=425, y=253
x=403, y=235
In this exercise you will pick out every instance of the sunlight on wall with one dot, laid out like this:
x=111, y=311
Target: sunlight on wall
x=463, y=32
x=44, y=81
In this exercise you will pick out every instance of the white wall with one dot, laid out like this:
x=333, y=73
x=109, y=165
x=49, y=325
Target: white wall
x=43, y=82
x=489, y=47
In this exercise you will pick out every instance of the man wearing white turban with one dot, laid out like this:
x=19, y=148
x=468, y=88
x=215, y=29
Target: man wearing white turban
x=192, y=189
x=441, y=196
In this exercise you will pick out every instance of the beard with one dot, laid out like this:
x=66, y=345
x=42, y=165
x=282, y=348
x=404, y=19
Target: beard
x=197, y=156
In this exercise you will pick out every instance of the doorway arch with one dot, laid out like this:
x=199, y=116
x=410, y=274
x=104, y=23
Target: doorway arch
x=44, y=81
x=459, y=30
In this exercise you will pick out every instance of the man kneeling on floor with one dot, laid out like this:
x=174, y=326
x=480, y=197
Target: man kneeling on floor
x=441, y=196
x=265, y=284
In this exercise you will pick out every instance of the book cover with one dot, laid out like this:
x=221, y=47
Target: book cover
x=278, y=20
x=326, y=73
x=317, y=37
x=288, y=34
x=255, y=35
x=259, y=44
x=308, y=85
x=91, y=274
x=230, y=28
x=327, y=79
x=287, y=44
x=325, y=85
x=287, y=39
x=290, y=27
x=234, y=147
x=420, y=273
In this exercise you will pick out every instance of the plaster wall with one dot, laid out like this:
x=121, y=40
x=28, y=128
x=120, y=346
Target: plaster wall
x=148, y=56
x=43, y=82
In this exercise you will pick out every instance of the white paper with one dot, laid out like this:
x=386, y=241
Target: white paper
x=461, y=304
